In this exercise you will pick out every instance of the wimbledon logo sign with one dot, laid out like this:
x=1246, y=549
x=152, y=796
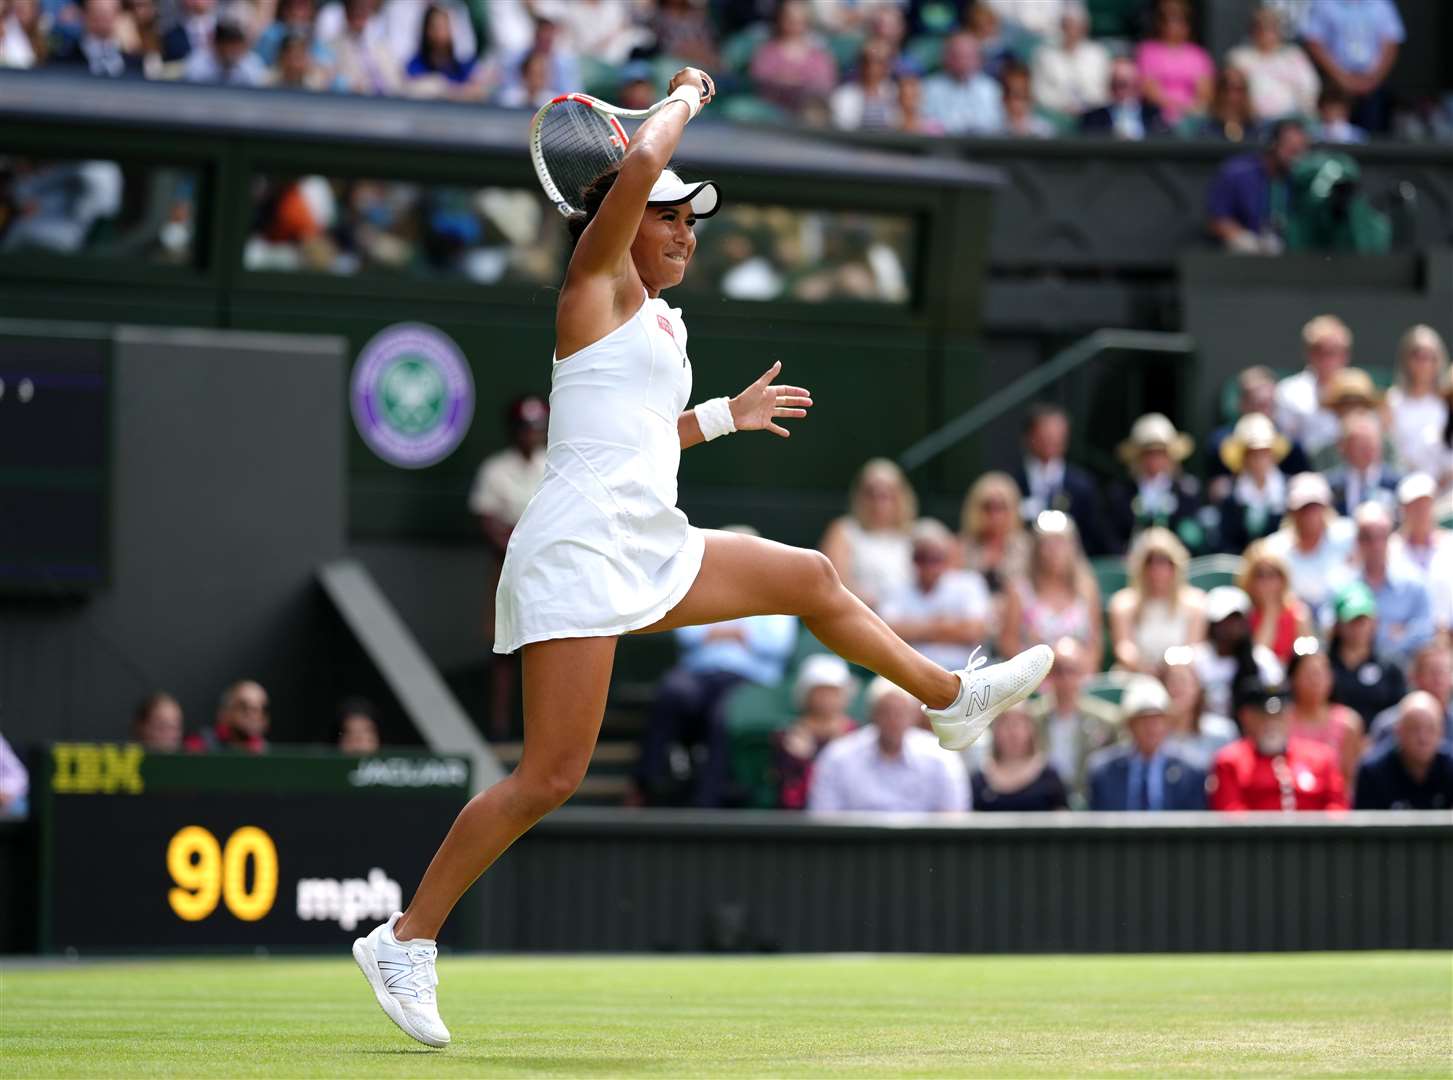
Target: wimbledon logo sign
x=413, y=396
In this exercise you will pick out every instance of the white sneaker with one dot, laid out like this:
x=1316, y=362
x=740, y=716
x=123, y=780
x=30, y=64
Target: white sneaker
x=403, y=979
x=985, y=694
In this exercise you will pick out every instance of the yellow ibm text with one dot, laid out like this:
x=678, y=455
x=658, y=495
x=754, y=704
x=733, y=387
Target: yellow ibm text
x=97, y=769
x=205, y=871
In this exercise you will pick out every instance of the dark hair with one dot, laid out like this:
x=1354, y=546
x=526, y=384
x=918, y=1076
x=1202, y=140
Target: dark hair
x=1286, y=123
x=147, y=704
x=1041, y=410
x=356, y=706
x=590, y=199
x=429, y=13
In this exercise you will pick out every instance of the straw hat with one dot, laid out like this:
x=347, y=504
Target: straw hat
x=1349, y=388
x=1253, y=432
x=1152, y=430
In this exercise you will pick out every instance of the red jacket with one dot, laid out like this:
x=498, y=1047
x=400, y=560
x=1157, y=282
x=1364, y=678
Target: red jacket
x=1305, y=777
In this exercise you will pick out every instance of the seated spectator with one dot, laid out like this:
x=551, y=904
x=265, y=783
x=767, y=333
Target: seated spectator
x=1314, y=541
x=1246, y=200
x=1254, y=506
x=1417, y=407
x=156, y=723
x=357, y=728
x=295, y=18
x=991, y=531
x=870, y=547
x=1176, y=72
x=196, y=22
x=910, y=105
x=1300, y=414
x=435, y=71
x=1072, y=76
x=1015, y=776
x=637, y=86
x=1050, y=482
x=1229, y=119
x=228, y=59
x=1058, y=598
x=943, y=613
x=1334, y=124
x=1269, y=769
x=1361, y=679
x=14, y=783
x=1157, y=493
x=1230, y=654
x=1039, y=19
x=1158, y=609
x=961, y=97
x=1278, y=619
x=1196, y=733
x=1356, y=45
x=890, y=765
x=1126, y=115
x=1414, y=770
x=1432, y=673
x=365, y=62
x=1420, y=541
x=29, y=20
x=821, y=694
x=1404, y=617
x=1256, y=393
x=531, y=86
x=690, y=706
x=1313, y=715
x=15, y=48
x=1145, y=774
x=793, y=69
x=683, y=31
x=1359, y=473
x=98, y=48
x=870, y=101
x=606, y=30
x=1282, y=80
x=241, y=724
x=1019, y=116
x=996, y=42
x=1072, y=724
x=297, y=67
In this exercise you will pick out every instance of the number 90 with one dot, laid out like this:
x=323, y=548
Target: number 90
x=204, y=871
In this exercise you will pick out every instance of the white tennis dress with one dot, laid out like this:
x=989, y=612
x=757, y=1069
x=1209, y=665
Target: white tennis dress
x=601, y=548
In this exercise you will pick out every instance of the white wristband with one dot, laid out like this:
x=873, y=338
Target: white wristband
x=691, y=96
x=715, y=418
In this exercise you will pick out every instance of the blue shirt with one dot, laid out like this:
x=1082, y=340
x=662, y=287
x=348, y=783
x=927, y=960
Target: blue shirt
x=972, y=107
x=761, y=657
x=1353, y=31
x=1242, y=191
x=1154, y=783
x=1404, y=617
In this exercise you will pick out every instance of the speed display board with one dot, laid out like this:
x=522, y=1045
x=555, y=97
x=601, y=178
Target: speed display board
x=143, y=851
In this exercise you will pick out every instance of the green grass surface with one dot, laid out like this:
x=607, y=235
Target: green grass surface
x=1347, y=1014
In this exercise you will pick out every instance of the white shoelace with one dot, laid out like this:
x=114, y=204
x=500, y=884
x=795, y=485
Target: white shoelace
x=975, y=661
x=422, y=976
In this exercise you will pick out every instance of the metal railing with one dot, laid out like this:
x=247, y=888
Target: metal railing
x=1026, y=386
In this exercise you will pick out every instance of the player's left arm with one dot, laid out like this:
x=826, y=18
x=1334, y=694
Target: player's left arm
x=757, y=408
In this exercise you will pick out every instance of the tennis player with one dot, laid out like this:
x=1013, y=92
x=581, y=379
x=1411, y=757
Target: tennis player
x=603, y=551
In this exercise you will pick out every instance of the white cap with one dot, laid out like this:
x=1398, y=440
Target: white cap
x=1144, y=694
x=670, y=190
x=821, y=669
x=1224, y=601
x=1307, y=488
x=1414, y=486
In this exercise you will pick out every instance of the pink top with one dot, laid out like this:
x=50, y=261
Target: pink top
x=1332, y=733
x=792, y=74
x=1177, y=70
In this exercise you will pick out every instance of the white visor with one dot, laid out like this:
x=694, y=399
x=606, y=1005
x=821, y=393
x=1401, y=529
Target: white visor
x=670, y=190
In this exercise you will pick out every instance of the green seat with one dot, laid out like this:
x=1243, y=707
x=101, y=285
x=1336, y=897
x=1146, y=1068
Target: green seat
x=926, y=52
x=1110, y=575
x=1213, y=571
x=737, y=50
x=1108, y=686
x=749, y=109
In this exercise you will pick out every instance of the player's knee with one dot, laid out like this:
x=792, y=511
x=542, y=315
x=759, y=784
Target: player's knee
x=822, y=577
x=546, y=788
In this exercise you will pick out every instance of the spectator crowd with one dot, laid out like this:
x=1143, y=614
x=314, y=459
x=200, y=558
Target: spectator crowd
x=1266, y=624
x=1028, y=68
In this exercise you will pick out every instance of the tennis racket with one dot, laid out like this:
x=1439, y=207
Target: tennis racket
x=575, y=137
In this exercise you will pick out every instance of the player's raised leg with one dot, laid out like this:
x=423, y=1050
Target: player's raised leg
x=746, y=575
x=565, y=686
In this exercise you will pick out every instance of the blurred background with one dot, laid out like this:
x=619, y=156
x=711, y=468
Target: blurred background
x=1127, y=327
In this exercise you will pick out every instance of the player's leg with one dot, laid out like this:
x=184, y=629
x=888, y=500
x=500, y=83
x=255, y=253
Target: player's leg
x=565, y=687
x=747, y=575
x=565, y=684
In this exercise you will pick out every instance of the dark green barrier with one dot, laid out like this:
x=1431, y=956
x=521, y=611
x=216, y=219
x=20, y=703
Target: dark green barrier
x=187, y=852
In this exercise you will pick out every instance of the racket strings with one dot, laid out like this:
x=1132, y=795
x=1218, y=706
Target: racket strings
x=577, y=144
